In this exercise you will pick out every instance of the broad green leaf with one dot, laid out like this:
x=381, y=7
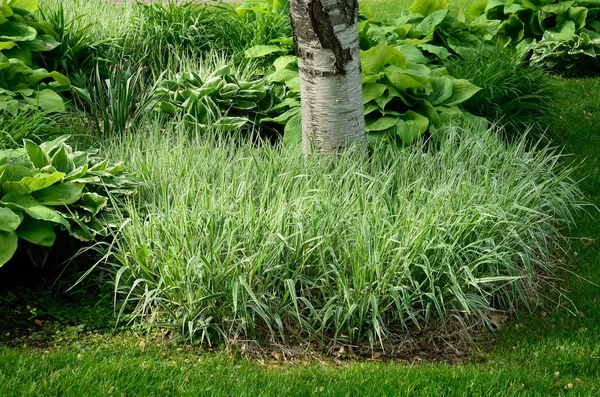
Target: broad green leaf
x=411, y=126
x=439, y=51
x=476, y=9
x=566, y=32
x=404, y=83
x=61, y=161
x=61, y=194
x=262, y=50
x=9, y=221
x=50, y=146
x=282, y=75
x=29, y=5
x=41, y=74
x=428, y=25
x=442, y=90
x=33, y=208
x=93, y=202
x=412, y=54
x=292, y=133
x=461, y=91
x=377, y=58
x=29, y=184
x=284, y=117
x=559, y=8
x=36, y=154
x=428, y=7
x=37, y=232
x=17, y=31
x=381, y=124
x=579, y=16
x=47, y=100
x=40, y=43
x=371, y=91
x=231, y=123
x=284, y=61
x=7, y=45
x=8, y=246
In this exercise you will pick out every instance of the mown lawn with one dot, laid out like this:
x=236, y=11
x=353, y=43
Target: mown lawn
x=553, y=351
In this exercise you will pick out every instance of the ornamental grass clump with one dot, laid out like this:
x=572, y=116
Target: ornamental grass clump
x=244, y=241
x=517, y=97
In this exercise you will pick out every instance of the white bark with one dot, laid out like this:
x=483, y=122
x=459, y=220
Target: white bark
x=326, y=39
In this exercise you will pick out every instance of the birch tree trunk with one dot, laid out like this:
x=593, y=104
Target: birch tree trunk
x=326, y=39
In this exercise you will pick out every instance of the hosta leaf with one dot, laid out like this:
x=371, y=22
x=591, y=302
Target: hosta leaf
x=292, y=134
x=7, y=45
x=47, y=100
x=262, y=50
x=41, y=74
x=9, y=221
x=28, y=5
x=33, y=208
x=565, y=32
x=410, y=126
x=372, y=91
x=293, y=84
x=40, y=43
x=412, y=54
x=442, y=90
x=461, y=91
x=282, y=75
x=93, y=202
x=430, y=22
x=61, y=160
x=8, y=246
x=440, y=52
x=62, y=194
x=381, y=124
x=284, y=117
x=37, y=232
x=16, y=31
x=29, y=184
x=222, y=71
x=37, y=156
x=428, y=7
x=377, y=58
x=285, y=61
x=50, y=146
x=231, y=123
x=476, y=9
x=403, y=82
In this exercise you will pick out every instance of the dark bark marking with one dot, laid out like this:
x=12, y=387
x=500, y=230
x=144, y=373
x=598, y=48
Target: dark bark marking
x=322, y=25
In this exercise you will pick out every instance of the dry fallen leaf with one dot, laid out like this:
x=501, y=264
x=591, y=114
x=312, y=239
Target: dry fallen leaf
x=569, y=386
x=38, y=322
x=498, y=320
x=276, y=355
x=142, y=345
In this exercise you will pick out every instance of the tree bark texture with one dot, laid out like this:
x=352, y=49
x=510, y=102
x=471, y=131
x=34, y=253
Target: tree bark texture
x=326, y=40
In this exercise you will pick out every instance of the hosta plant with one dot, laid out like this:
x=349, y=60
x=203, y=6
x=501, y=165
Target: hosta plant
x=525, y=20
x=51, y=187
x=219, y=100
x=432, y=27
x=403, y=95
x=22, y=84
x=579, y=55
